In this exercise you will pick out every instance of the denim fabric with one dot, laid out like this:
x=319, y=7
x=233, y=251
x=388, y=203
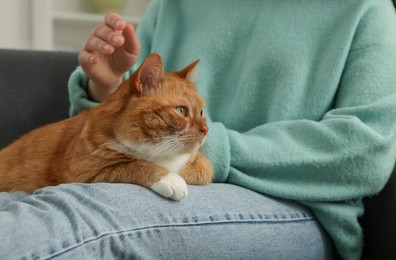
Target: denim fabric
x=121, y=221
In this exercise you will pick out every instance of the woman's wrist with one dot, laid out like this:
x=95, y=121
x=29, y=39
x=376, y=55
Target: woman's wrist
x=99, y=92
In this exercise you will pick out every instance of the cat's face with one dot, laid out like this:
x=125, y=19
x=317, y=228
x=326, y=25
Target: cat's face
x=166, y=117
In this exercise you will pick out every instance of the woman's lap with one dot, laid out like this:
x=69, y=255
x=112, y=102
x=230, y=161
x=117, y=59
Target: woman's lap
x=128, y=221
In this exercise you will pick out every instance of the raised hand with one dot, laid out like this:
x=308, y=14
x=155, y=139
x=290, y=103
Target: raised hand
x=110, y=50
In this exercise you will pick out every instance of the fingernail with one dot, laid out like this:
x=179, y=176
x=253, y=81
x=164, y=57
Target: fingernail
x=115, y=39
x=91, y=59
x=117, y=23
x=105, y=47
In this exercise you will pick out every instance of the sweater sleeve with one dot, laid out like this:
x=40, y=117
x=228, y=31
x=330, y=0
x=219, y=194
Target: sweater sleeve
x=78, y=94
x=347, y=154
x=78, y=82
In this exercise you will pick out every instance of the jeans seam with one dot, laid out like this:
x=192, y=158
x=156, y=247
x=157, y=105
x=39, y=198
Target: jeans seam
x=198, y=223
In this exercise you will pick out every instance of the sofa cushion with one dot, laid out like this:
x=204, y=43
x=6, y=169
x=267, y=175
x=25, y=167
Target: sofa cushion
x=33, y=87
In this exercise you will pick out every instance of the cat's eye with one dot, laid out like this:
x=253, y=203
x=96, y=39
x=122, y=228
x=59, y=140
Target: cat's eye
x=181, y=111
x=202, y=112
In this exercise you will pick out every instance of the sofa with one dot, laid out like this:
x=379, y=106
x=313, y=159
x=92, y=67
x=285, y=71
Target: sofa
x=33, y=87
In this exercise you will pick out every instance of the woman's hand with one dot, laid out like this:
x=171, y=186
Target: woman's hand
x=111, y=49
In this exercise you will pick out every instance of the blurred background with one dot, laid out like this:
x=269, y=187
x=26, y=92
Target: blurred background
x=59, y=24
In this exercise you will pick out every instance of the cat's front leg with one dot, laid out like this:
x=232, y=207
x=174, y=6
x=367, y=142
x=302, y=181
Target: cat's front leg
x=198, y=171
x=171, y=186
x=145, y=173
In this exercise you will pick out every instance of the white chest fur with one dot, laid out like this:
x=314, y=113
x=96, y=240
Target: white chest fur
x=155, y=153
x=175, y=163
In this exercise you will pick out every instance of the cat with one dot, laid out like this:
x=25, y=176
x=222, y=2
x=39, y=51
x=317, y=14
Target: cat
x=148, y=132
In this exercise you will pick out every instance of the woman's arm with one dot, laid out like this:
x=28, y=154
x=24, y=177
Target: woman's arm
x=91, y=82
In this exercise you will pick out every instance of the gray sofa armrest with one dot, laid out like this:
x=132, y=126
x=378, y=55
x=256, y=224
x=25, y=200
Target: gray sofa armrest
x=379, y=223
x=33, y=87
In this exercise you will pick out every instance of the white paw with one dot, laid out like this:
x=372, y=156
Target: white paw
x=171, y=186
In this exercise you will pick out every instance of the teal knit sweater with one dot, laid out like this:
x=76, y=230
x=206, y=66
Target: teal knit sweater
x=301, y=96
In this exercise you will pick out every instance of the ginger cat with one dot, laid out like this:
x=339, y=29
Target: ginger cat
x=148, y=132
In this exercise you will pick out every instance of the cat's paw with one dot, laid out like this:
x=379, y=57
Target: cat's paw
x=171, y=186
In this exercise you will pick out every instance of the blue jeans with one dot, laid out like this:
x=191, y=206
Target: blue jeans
x=123, y=221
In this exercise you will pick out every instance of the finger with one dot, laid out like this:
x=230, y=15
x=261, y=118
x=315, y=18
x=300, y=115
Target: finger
x=132, y=43
x=96, y=44
x=114, y=21
x=109, y=35
x=85, y=57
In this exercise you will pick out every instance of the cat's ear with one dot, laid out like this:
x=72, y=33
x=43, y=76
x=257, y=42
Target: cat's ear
x=149, y=73
x=188, y=72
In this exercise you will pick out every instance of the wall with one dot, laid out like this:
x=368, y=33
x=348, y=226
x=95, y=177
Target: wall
x=15, y=24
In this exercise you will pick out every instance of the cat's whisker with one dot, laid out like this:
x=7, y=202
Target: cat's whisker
x=153, y=154
x=161, y=152
x=163, y=149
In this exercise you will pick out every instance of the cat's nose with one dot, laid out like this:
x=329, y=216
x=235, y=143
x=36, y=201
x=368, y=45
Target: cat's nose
x=204, y=130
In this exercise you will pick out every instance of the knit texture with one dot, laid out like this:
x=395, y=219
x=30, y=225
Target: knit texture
x=301, y=96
